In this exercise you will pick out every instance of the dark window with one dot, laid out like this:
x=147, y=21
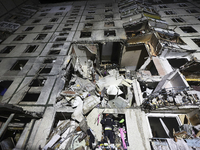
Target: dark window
x=40, y=37
x=61, y=39
x=110, y=33
x=4, y=85
x=54, y=52
x=89, y=17
x=7, y=49
x=85, y=34
x=196, y=41
x=109, y=24
x=37, y=82
x=73, y=14
x=70, y=21
x=91, y=11
x=19, y=64
x=31, y=48
x=47, y=27
x=49, y=60
x=58, y=14
x=19, y=38
x=108, y=16
x=169, y=12
x=192, y=11
x=57, y=45
x=36, y=20
x=182, y=5
x=29, y=29
x=66, y=25
x=64, y=34
x=43, y=14
x=44, y=70
x=108, y=10
x=162, y=6
x=88, y=25
x=188, y=29
x=31, y=97
x=66, y=29
x=54, y=20
x=62, y=8
x=72, y=17
x=198, y=17
x=178, y=20
x=77, y=6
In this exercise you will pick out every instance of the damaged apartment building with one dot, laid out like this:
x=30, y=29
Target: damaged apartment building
x=66, y=67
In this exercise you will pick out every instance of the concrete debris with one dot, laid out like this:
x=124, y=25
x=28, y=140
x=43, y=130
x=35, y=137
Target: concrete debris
x=89, y=103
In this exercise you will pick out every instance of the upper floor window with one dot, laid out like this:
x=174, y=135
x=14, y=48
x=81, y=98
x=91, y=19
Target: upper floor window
x=169, y=12
x=162, y=6
x=188, y=29
x=182, y=5
x=191, y=11
x=178, y=20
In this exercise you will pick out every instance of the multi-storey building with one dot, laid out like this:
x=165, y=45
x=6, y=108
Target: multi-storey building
x=65, y=65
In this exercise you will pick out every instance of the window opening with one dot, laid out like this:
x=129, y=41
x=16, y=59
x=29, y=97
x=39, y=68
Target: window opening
x=88, y=25
x=91, y=11
x=37, y=82
x=188, y=29
x=36, y=20
x=49, y=60
x=108, y=10
x=44, y=70
x=54, y=52
x=163, y=127
x=54, y=20
x=31, y=48
x=162, y=6
x=19, y=64
x=108, y=16
x=19, y=38
x=85, y=34
x=43, y=14
x=30, y=97
x=4, y=85
x=62, y=8
x=29, y=28
x=63, y=34
x=196, y=41
x=41, y=37
x=61, y=39
x=58, y=14
x=182, y=5
x=57, y=45
x=47, y=27
x=109, y=24
x=66, y=25
x=66, y=29
x=178, y=20
x=192, y=11
x=70, y=21
x=169, y=12
x=7, y=49
x=110, y=33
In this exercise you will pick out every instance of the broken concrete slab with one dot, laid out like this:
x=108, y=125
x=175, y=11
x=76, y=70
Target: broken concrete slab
x=89, y=103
